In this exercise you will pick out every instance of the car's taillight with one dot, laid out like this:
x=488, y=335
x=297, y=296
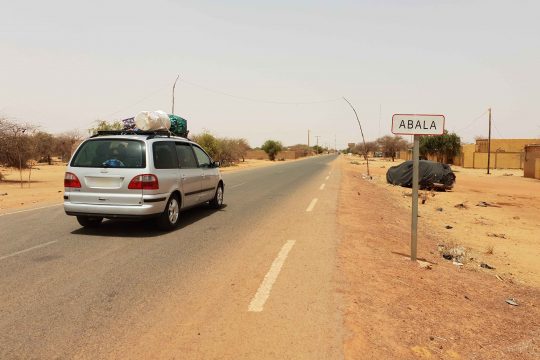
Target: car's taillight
x=144, y=182
x=71, y=181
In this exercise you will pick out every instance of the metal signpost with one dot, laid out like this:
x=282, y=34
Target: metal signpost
x=417, y=125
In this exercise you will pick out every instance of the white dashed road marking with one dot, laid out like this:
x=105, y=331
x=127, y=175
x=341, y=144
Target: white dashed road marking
x=312, y=205
x=262, y=294
x=29, y=249
x=328, y=177
x=237, y=185
x=322, y=187
x=39, y=208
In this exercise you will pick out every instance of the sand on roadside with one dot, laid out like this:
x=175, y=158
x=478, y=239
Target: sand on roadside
x=505, y=235
x=396, y=309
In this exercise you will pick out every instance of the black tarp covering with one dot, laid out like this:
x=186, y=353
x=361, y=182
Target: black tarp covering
x=429, y=173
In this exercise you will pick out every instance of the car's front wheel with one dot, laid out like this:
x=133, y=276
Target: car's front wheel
x=170, y=218
x=89, y=221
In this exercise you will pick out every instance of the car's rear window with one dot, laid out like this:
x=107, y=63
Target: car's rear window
x=117, y=153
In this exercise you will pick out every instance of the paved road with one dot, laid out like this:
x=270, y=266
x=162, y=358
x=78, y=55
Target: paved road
x=254, y=280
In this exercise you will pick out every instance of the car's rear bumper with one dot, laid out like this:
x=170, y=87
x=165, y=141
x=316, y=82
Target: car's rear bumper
x=151, y=207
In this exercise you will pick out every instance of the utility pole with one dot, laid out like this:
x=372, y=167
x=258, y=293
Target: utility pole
x=317, y=136
x=308, y=138
x=380, y=111
x=489, y=142
x=174, y=86
x=361, y=132
x=335, y=143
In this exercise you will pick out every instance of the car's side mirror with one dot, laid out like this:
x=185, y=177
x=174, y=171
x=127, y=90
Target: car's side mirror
x=215, y=164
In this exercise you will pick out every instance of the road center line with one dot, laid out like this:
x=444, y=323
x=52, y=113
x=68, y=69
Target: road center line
x=328, y=177
x=262, y=294
x=312, y=205
x=322, y=187
x=237, y=185
x=38, y=208
x=29, y=249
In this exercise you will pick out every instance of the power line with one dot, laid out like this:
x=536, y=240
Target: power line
x=472, y=122
x=259, y=100
x=139, y=101
x=495, y=126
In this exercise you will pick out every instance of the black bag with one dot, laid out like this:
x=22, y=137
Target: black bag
x=431, y=175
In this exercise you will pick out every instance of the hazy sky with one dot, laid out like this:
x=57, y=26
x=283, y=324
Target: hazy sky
x=65, y=64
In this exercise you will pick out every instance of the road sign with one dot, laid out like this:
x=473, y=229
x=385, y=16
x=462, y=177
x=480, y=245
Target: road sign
x=417, y=124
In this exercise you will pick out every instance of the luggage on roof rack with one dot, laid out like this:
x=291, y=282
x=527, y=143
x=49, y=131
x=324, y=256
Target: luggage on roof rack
x=132, y=132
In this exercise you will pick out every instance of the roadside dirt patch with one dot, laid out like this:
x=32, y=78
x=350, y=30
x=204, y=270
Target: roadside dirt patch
x=46, y=188
x=481, y=205
x=397, y=309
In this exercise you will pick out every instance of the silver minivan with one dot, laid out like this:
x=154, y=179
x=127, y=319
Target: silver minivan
x=139, y=175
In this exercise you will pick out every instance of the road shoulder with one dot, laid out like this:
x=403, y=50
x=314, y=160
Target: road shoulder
x=396, y=309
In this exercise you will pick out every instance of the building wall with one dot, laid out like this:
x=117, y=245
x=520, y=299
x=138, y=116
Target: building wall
x=531, y=164
x=256, y=155
x=506, y=145
x=499, y=160
x=505, y=154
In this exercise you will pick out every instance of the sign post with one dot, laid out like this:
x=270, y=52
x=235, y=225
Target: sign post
x=417, y=125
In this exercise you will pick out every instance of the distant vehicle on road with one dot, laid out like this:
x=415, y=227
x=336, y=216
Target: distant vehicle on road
x=135, y=175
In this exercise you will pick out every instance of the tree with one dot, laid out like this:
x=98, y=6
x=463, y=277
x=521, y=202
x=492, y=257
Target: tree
x=65, y=143
x=226, y=151
x=209, y=143
x=15, y=144
x=371, y=147
x=104, y=125
x=272, y=147
x=243, y=147
x=44, y=146
x=318, y=149
x=443, y=147
x=390, y=145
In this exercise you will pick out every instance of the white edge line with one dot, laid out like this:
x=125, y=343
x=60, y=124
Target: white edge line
x=39, y=208
x=237, y=185
x=312, y=205
x=29, y=249
x=322, y=187
x=262, y=294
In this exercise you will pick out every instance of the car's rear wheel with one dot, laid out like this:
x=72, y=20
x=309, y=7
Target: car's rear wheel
x=170, y=218
x=89, y=221
x=217, y=201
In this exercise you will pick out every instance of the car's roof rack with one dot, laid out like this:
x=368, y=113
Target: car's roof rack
x=151, y=134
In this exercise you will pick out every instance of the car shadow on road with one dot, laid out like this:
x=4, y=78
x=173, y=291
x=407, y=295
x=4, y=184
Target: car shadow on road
x=145, y=228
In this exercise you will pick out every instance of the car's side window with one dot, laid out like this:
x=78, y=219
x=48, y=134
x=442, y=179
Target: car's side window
x=202, y=158
x=186, y=157
x=165, y=155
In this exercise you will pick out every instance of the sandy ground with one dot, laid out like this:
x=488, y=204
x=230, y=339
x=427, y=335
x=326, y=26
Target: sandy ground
x=505, y=236
x=396, y=309
x=47, y=185
x=46, y=188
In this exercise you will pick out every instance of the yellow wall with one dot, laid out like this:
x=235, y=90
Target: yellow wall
x=467, y=155
x=532, y=155
x=537, y=169
x=498, y=160
x=507, y=145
